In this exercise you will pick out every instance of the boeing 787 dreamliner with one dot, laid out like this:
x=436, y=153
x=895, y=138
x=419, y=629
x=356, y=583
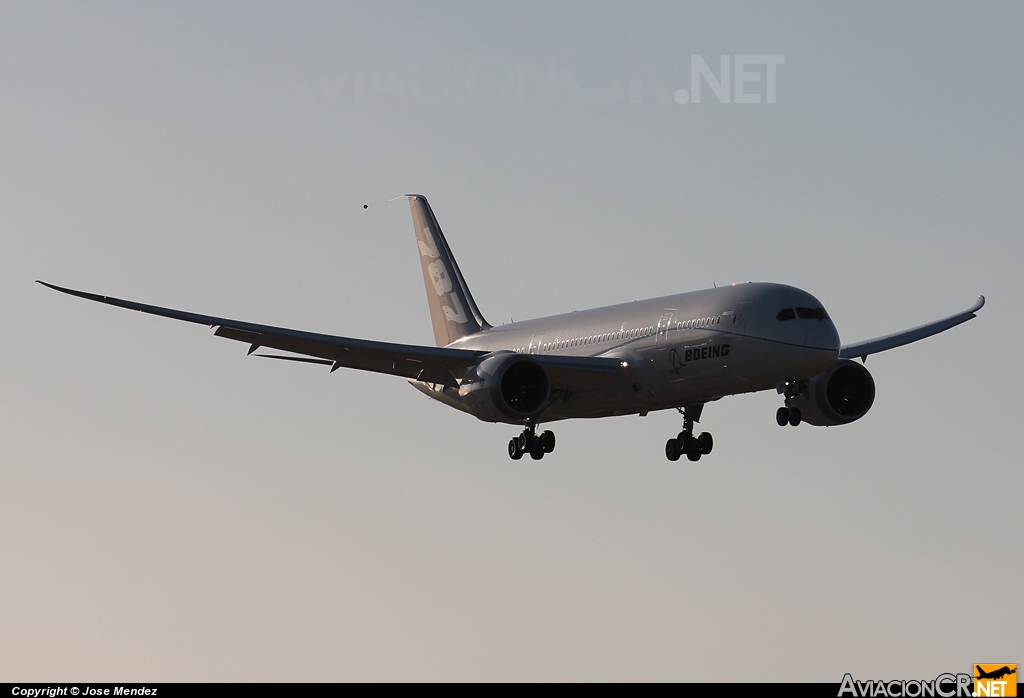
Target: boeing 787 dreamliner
x=675, y=352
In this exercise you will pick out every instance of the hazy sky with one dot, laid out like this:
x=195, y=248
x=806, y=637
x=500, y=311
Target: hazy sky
x=173, y=510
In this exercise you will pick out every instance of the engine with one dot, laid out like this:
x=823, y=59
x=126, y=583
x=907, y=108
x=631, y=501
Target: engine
x=840, y=395
x=506, y=387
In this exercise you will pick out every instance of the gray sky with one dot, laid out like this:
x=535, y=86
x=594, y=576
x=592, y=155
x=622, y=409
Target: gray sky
x=172, y=510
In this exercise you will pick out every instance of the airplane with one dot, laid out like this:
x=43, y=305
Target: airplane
x=996, y=674
x=673, y=352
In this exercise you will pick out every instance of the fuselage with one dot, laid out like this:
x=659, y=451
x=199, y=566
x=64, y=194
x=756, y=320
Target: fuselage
x=684, y=349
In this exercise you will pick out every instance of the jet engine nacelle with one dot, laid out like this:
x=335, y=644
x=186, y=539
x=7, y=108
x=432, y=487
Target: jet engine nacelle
x=840, y=395
x=506, y=387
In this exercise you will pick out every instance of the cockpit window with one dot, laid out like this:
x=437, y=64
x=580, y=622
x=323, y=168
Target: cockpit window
x=786, y=314
x=808, y=314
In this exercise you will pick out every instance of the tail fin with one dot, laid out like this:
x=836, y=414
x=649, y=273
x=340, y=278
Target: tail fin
x=453, y=311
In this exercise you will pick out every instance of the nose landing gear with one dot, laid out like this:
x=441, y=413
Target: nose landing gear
x=693, y=447
x=529, y=442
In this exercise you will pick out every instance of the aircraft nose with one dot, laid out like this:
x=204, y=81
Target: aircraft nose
x=824, y=336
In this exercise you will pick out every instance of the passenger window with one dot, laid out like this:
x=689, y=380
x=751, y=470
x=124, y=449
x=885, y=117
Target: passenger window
x=806, y=313
x=786, y=314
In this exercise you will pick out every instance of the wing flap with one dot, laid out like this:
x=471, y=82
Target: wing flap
x=898, y=339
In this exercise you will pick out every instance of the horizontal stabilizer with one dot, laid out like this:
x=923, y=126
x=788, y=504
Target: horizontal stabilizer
x=898, y=339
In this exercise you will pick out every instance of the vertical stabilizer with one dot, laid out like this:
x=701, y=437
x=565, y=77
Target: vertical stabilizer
x=453, y=312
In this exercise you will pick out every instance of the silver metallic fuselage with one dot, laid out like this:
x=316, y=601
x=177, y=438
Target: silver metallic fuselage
x=679, y=350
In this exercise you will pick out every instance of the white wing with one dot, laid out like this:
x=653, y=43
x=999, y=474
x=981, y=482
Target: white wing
x=898, y=339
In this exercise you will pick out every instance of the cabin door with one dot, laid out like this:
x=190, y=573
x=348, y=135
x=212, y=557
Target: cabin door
x=739, y=320
x=663, y=325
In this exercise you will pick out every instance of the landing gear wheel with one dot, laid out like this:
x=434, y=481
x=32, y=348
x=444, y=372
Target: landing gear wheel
x=782, y=416
x=685, y=442
x=547, y=441
x=515, y=452
x=693, y=446
x=537, y=453
x=794, y=417
x=705, y=443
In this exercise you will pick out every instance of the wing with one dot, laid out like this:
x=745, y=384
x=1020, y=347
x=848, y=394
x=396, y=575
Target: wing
x=891, y=341
x=408, y=360
x=430, y=364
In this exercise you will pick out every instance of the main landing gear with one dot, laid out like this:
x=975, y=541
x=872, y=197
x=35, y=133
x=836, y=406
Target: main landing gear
x=529, y=442
x=788, y=415
x=686, y=442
